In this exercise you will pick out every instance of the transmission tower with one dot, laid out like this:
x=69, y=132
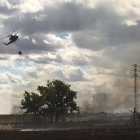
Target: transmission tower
x=135, y=71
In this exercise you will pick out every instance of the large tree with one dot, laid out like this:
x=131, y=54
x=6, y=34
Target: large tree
x=55, y=99
x=58, y=98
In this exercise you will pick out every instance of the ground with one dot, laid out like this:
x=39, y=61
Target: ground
x=82, y=134
x=101, y=127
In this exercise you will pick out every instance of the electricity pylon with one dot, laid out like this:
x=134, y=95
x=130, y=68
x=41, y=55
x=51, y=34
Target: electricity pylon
x=135, y=71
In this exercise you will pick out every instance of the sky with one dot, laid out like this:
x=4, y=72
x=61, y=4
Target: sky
x=89, y=44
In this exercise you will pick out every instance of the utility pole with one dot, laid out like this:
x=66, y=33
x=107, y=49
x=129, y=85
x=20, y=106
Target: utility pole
x=135, y=71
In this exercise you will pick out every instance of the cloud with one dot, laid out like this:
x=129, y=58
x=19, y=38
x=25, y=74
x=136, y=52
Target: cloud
x=101, y=43
x=30, y=6
x=75, y=74
x=93, y=29
x=57, y=20
x=7, y=77
x=67, y=72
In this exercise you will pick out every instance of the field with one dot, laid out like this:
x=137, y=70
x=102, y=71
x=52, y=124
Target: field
x=84, y=134
x=85, y=127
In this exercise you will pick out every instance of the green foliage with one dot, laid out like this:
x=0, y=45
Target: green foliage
x=31, y=103
x=55, y=99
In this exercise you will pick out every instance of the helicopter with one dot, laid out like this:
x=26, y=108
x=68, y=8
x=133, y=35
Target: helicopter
x=12, y=37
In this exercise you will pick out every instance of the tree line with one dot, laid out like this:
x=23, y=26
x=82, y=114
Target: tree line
x=54, y=100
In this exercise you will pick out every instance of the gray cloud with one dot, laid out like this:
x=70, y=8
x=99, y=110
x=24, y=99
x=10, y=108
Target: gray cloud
x=79, y=61
x=101, y=27
x=68, y=17
x=42, y=60
x=57, y=20
x=93, y=29
x=7, y=9
x=7, y=77
x=78, y=76
x=74, y=74
x=32, y=74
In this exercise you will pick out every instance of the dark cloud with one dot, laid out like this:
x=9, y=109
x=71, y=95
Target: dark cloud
x=11, y=49
x=68, y=17
x=109, y=35
x=79, y=61
x=41, y=60
x=7, y=12
x=7, y=9
x=63, y=19
x=94, y=29
x=76, y=75
x=27, y=46
x=32, y=74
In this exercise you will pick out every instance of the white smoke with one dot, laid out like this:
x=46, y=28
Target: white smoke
x=5, y=101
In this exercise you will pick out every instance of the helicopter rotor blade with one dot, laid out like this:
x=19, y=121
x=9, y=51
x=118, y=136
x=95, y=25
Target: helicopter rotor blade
x=19, y=30
x=4, y=37
x=12, y=32
x=7, y=36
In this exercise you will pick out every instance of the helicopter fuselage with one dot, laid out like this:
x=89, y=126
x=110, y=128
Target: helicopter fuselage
x=13, y=38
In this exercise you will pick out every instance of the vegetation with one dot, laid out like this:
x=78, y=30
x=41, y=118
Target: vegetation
x=55, y=99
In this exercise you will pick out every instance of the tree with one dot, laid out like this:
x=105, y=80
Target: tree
x=55, y=99
x=31, y=103
x=48, y=101
x=58, y=98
